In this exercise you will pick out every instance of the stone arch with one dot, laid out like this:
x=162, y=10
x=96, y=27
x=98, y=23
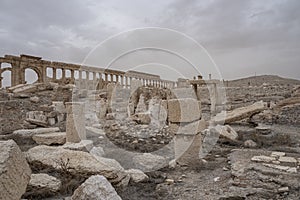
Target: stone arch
x=58, y=74
x=49, y=72
x=5, y=65
x=34, y=71
x=5, y=77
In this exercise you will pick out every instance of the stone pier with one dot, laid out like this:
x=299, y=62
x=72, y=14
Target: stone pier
x=75, y=125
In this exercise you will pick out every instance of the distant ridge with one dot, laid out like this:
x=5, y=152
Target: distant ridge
x=260, y=80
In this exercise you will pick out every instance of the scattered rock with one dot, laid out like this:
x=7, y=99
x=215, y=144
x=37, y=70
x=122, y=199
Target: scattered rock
x=43, y=184
x=283, y=189
x=78, y=162
x=14, y=171
x=250, y=144
x=287, y=160
x=50, y=138
x=96, y=187
x=149, y=162
x=169, y=181
x=34, y=99
x=240, y=113
x=277, y=154
x=263, y=159
x=97, y=151
x=226, y=131
x=137, y=175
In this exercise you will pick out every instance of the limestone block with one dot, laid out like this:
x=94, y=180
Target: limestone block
x=286, y=159
x=50, y=138
x=263, y=159
x=96, y=187
x=183, y=110
x=78, y=162
x=137, y=175
x=43, y=184
x=31, y=132
x=149, y=162
x=14, y=171
x=226, y=131
x=240, y=113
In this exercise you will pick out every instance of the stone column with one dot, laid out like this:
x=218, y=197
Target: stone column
x=72, y=74
x=54, y=74
x=1, y=81
x=106, y=77
x=126, y=82
x=80, y=75
x=111, y=78
x=130, y=82
x=122, y=81
x=63, y=74
x=75, y=124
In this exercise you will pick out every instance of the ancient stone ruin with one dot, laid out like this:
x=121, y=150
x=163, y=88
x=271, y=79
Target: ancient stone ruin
x=95, y=133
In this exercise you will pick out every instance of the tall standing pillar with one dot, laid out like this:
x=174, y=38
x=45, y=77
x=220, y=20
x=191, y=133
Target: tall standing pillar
x=75, y=125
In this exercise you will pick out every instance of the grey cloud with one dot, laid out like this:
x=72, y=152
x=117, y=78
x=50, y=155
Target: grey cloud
x=242, y=36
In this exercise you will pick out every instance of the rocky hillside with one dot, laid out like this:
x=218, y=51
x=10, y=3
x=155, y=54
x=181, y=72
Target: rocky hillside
x=260, y=80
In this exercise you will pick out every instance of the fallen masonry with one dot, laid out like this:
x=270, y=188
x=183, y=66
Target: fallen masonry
x=133, y=135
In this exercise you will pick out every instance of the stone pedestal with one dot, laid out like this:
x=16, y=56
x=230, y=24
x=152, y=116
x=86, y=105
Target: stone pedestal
x=188, y=142
x=75, y=125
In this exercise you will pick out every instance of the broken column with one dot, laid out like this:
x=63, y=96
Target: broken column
x=75, y=125
x=184, y=116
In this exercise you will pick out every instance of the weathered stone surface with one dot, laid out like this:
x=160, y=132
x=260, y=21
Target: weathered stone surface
x=96, y=130
x=14, y=171
x=286, y=159
x=240, y=113
x=263, y=158
x=96, y=187
x=83, y=145
x=50, y=138
x=149, y=162
x=189, y=128
x=43, y=184
x=277, y=154
x=226, y=131
x=183, y=110
x=142, y=118
x=75, y=124
x=111, y=163
x=38, y=122
x=24, y=89
x=31, y=132
x=78, y=162
x=263, y=129
x=281, y=167
x=97, y=151
x=250, y=144
x=34, y=99
x=137, y=175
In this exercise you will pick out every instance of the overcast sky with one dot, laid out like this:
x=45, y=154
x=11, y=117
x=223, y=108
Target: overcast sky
x=243, y=37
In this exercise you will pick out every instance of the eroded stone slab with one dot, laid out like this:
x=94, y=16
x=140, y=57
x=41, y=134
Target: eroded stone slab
x=14, y=171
